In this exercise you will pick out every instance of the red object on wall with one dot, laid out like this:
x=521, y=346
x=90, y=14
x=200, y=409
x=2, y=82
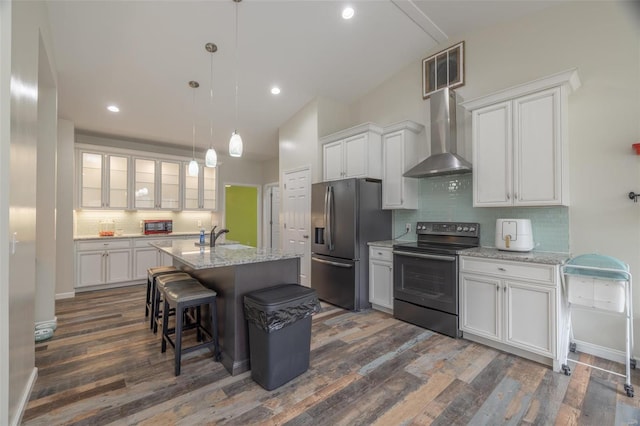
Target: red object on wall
x=636, y=146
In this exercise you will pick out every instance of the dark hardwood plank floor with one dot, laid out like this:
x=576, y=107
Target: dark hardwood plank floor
x=104, y=366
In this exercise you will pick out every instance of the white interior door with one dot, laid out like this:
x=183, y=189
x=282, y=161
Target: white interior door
x=296, y=216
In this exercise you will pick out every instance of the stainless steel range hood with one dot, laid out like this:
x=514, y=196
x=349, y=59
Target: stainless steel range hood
x=443, y=159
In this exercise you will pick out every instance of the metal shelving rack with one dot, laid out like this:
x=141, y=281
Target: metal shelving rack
x=594, y=270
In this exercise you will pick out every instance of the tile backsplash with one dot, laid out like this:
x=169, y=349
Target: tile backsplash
x=450, y=198
x=86, y=222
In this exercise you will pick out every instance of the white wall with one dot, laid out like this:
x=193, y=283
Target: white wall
x=333, y=116
x=602, y=40
x=18, y=143
x=298, y=142
x=270, y=172
x=7, y=410
x=46, y=189
x=64, y=210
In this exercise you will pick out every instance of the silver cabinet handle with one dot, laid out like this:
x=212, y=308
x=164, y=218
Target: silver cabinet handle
x=498, y=287
x=502, y=269
x=508, y=196
x=305, y=237
x=505, y=288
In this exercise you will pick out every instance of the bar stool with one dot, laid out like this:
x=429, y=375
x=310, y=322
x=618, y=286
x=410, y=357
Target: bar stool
x=161, y=282
x=152, y=273
x=182, y=296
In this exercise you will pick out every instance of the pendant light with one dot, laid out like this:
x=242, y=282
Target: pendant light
x=193, y=164
x=235, y=143
x=211, y=157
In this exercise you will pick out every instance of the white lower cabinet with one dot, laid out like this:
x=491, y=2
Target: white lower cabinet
x=517, y=305
x=381, y=278
x=109, y=263
x=100, y=262
x=146, y=256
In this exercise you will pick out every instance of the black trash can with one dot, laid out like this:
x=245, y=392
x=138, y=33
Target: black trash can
x=279, y=320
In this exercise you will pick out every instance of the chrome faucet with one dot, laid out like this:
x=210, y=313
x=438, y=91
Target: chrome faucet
x=215, y=235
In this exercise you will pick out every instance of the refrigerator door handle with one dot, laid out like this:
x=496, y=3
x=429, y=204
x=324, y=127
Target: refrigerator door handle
x=328, y=262
x=329, y=222
x=326, y=211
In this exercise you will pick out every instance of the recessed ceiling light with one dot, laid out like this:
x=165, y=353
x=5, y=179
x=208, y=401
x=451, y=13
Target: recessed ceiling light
x=275, y=90
x=113, y=108
x=347, y=13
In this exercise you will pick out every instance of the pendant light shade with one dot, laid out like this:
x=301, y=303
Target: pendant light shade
x=235, y=145
x=193, y=168
x=211, y=157
x=193, y=164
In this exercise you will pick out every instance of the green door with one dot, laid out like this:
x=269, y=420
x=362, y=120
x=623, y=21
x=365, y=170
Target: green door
x=241, y=214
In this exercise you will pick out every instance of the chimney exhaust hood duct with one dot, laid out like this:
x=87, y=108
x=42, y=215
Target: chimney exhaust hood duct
x=443, y=159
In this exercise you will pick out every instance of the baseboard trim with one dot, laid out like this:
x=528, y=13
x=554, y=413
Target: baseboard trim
x=24, y=399
x=601, y=351
x=67, y=295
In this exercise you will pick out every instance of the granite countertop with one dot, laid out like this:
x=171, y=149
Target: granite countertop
x=203, y=257
x=97, y=237
x=548, y=258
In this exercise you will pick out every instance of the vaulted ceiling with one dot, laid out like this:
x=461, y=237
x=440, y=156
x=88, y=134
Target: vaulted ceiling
x=140, y=55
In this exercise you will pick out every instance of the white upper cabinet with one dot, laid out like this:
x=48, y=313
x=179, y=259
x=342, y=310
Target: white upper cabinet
x=352, y=153
x=157, y=184
x=520, y=144
x=199, y=191
x=399, y=154
x=145, y=184
x=115, y=178
x=103, y=180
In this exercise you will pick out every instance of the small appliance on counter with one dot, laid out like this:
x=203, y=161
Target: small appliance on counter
x=107, y=228
x=514, y=235
x=150, y=227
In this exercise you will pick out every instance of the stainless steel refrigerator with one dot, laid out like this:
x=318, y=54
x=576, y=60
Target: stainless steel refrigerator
x=345, y=216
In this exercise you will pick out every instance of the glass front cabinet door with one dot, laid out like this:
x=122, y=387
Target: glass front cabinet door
x=200, y=191
x=169, y=185
x=103, y=181
x=145, y=184
x=157, y=184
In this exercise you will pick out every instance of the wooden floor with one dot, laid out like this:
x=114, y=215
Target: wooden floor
x=104, y=366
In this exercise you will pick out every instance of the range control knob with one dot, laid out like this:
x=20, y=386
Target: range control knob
x=459, y=228
x=465, y=229
x=472, y=229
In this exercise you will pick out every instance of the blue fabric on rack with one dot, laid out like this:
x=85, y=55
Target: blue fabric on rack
x=597, y=261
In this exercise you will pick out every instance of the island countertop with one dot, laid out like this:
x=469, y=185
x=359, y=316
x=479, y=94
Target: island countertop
x=203, y=257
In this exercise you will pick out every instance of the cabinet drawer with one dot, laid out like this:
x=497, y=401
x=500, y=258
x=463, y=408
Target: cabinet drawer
x=507, y=269
x=380, y=253
x=103, y=245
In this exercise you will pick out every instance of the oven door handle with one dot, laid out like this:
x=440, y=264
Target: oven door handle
x=328, y=262
x=425, y=256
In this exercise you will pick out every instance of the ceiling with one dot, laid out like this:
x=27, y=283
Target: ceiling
x=140, y=55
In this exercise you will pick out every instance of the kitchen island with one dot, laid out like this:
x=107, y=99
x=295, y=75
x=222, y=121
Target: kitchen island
x=233, y=270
